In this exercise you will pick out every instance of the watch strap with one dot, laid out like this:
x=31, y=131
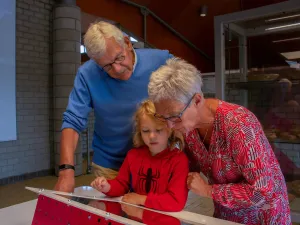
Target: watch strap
x=66, y=167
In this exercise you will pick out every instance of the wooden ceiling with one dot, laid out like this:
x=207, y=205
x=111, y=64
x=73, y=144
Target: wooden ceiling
x=184, y=17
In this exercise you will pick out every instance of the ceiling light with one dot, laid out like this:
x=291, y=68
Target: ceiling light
x=293, y=64
x=283, y=26
x=288, y=39
x=133, y=39
x=203, y=10
x=82, y=49
x=283, y=18
x=291, y=55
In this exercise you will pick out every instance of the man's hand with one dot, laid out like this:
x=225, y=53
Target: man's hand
x=101, y=184
x=134, y=198
x=197, y=185
x=66, y=181
x=68, y=143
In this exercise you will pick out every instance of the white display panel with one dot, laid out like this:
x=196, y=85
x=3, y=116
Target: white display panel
x=208, y=84
x=8, y=130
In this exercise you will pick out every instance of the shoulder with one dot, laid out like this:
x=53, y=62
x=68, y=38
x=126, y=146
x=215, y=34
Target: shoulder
x=234, y=116
x=88, y=65
x=239, y=124
x=179, y=155
x=137, y=152
x=179, y=161
x=89, y=69
x=191, y=138
x=156, y=53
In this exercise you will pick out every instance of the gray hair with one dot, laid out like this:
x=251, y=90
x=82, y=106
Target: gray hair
x=94, y=39
x=177, y=80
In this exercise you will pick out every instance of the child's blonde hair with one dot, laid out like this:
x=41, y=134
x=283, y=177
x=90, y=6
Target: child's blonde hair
x=147, y=108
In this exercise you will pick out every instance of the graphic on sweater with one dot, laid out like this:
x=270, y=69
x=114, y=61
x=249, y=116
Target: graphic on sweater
x=148, y=180
x=161, y=177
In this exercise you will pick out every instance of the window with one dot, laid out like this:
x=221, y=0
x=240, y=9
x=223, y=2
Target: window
x=82, y=49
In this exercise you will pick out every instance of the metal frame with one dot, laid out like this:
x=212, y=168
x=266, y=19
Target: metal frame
x=184, y=216
x=85, y=208
x=220, y=21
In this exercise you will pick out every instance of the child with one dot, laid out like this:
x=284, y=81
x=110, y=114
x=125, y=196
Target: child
x=156, y=170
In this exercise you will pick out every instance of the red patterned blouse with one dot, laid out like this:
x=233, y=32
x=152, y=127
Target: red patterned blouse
x=248, y=185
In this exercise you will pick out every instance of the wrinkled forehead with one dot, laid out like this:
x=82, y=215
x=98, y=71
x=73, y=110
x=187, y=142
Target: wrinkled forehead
x=168, y=107
x=113, y=50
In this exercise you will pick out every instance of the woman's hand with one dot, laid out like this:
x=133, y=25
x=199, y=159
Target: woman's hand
x=101, y=184
x=134, y=198
x=197, y=185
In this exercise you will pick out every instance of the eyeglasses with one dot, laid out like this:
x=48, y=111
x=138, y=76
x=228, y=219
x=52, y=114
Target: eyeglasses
x=174, y=119
x=118, y=60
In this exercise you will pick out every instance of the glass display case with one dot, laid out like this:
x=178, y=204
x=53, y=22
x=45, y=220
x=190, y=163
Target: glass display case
x=257, y=55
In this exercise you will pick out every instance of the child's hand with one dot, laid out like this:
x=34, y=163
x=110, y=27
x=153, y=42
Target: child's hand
x=132, y=211
x=101, y=184
x=134, y=198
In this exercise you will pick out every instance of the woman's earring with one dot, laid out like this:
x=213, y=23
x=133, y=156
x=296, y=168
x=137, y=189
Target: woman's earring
x=171, y=139
x=169, y=142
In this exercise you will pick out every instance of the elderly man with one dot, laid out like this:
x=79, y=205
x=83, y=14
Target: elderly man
x=113, y=83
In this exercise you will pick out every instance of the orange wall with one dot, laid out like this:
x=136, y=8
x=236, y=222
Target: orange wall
x=198, y=30
x=158, y=35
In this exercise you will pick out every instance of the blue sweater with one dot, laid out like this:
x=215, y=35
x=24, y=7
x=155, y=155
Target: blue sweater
x=114, y=103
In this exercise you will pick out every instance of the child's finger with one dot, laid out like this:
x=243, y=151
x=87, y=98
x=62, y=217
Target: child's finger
x=104, y=181
x=96, y=183
x=99, y=181
x=93, y=184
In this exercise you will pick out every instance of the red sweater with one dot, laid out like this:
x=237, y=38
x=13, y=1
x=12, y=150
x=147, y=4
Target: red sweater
x=148, y=217
x=161, y=177
x=248, y=186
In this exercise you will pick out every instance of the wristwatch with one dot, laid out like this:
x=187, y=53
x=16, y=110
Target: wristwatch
x=65, y=167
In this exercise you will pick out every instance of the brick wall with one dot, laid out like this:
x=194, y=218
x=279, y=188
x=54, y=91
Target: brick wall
x=31, y=151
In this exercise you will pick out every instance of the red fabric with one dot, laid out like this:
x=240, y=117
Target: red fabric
x=52, y=212
x=248, y=185
x=148, y=217
x=167, y=185
x=153, y=218
x=113, y=207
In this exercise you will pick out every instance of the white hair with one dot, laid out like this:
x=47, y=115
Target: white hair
x=96, y=35
x=177, y=80
x=284, y=80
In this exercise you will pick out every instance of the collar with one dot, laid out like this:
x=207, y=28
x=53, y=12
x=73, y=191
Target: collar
x=135, y=60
